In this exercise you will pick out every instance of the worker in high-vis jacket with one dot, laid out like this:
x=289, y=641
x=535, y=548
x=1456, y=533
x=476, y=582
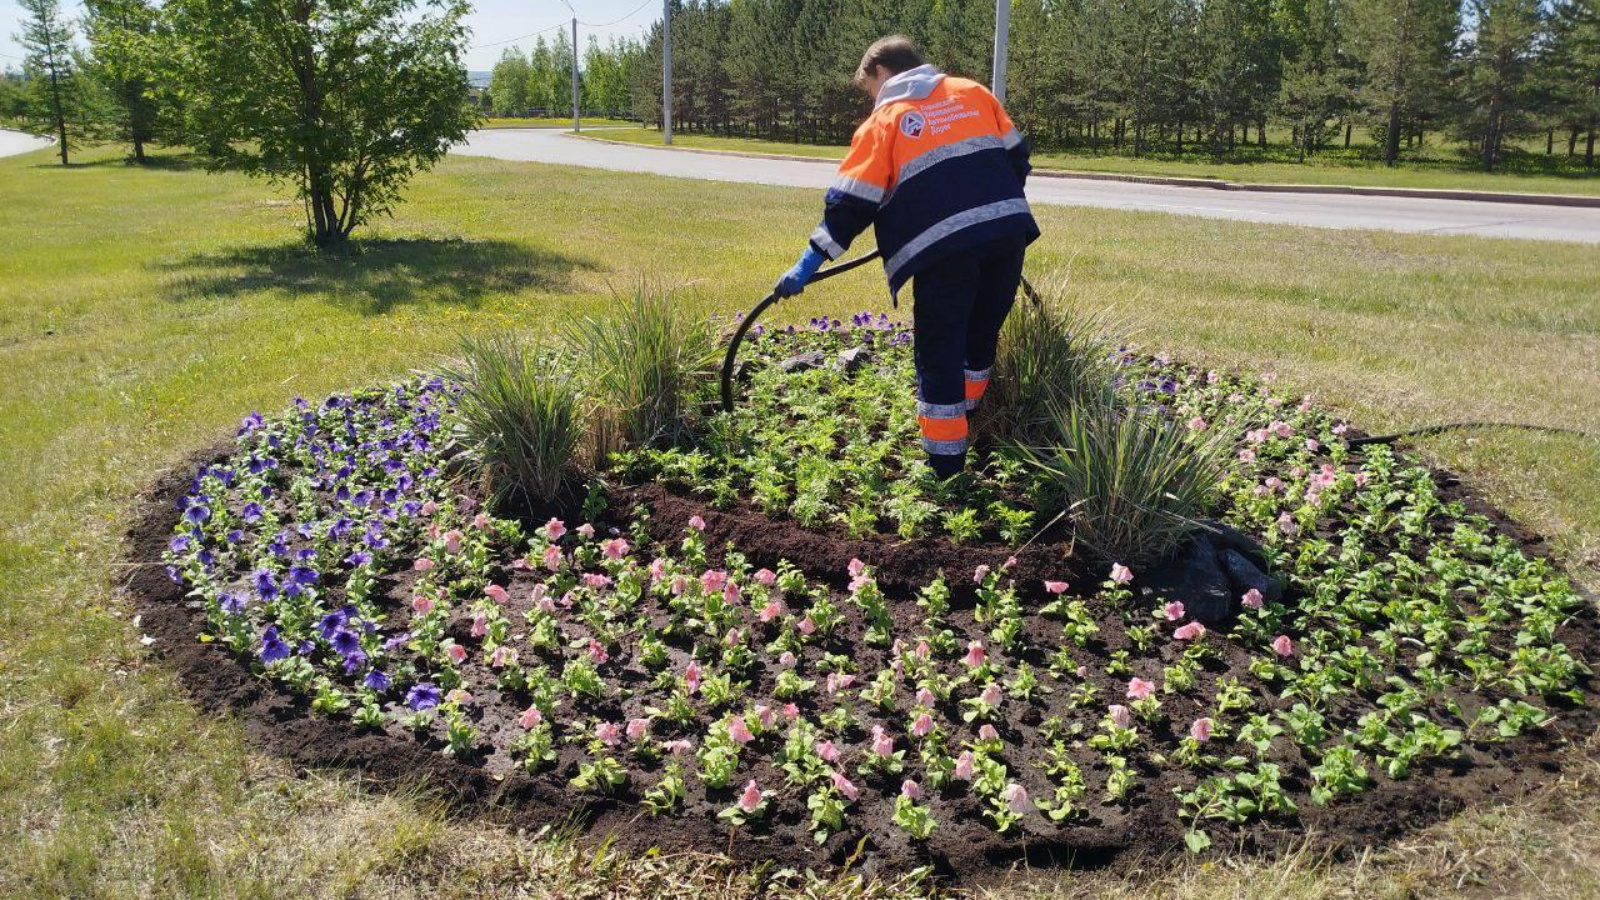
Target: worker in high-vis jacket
x=938, y=168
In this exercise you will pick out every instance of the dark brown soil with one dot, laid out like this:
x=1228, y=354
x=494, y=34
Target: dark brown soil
x=962, y=848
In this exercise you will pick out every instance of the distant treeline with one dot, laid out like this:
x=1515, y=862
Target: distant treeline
x=1134, y=76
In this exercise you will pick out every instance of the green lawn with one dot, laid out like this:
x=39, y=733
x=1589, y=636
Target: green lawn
x=1334, y=167
x=144, y=311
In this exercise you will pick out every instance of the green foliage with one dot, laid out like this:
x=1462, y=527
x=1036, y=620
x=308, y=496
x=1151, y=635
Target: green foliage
x=344, y=100
x=520, y=416
x=645, y=362
x=1050, y=357
x=1131, y=482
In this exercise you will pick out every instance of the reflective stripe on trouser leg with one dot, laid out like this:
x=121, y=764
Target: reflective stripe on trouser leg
x=977, y=383
x=944, y=427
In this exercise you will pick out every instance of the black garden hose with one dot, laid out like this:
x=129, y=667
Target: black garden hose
x=744, y=326
x=1429, y=430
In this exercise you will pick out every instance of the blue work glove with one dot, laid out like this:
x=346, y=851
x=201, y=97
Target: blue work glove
x=794, y=281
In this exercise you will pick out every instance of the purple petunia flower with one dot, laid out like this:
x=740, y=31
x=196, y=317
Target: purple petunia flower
x=266, y=585
x=179, y=543
x=345, y=642
x=376, y=681
x=273, y=647
x=251, y=512
x=230, y=603
x=422, y=697
x=398, y=641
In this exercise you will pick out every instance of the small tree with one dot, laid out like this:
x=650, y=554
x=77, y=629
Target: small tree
x=52, y=89
x=508, y=83
x=124, y=50
x=344, y=99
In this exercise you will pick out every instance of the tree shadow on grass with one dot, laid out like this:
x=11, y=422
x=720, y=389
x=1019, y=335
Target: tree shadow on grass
x=377, y=276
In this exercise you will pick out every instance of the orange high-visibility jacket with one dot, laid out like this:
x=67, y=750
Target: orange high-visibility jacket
x=937, y=168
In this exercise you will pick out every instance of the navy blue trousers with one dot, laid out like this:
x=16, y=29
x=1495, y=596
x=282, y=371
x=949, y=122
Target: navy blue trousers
x=959, y=305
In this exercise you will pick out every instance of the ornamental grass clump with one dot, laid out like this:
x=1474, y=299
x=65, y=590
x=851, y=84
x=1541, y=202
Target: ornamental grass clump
x=520, y=416
x=647, y=362
x=1050, y=357
x=1132, y=482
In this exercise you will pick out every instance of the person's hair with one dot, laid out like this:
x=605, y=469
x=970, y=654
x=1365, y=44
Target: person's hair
x=895, y=54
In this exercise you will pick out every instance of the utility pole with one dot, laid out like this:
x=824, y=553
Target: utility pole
x=1002, y=29
x=666, y=71
x=576, y=122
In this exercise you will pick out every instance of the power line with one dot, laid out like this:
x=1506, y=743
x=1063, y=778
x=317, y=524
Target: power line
x=636, y=11
x=519, y=37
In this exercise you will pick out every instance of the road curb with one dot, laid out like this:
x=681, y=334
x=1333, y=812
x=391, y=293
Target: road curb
x=1567, y=200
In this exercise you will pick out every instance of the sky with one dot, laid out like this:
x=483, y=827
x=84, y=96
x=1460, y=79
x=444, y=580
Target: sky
x=496, y=24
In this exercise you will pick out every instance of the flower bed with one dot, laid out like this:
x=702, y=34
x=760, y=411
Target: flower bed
x=793, y=647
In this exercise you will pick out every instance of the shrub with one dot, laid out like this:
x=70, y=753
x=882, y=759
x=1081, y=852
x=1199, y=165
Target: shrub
x=645, y=366
x=1050, y=357
x=1131, y=482
x=520, y=416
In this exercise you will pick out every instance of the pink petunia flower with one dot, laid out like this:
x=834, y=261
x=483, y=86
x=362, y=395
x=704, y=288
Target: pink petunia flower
x=924, y=697
x=1282, y=646
x=552, y=558
x=827, y=751
x=712, y=581
x=766, y=577
x=991, y=694
x=765, y=716
x=1016, y=797
x=697, y=523
x=882, y=743
x=422, y=604
x=750, y=800
x=608, y=733
x=732, y=594
x=530, y=718
x=679, y=746
x=423, y=564
x=496, y=593
x=790, y=711
x=1138, y=688
x=1200, y=730
x=1121, y=574
x=1247, y=455
x=807, y=626
x=480, y=625
x=452, y=541
x=911, y=790
x=429, y=508
x=586, y=531
x=1251, y=599
x=1120, y=716
x=963, y=769
x=856, y=567
x=658, y=569
x=679, y=585
x=845, y=786
x=554, y=529
x=480, y=521
x=1197, y=424
x=457, y=653
x=1173, y=610
x=979, y=574
x=597, y=652
x=739, y=731
x=1055, y=587
x=691, y=676
x=922, y=726
x=638, y=729
x=459, y=696
x=616, y=548
x=787, y=660
x=1287, y=525
x=987, y=732
x=975, y=654
x=1189, y=632
x=503, y=656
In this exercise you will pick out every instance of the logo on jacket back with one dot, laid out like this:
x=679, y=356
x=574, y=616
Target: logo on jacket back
x=911, y=124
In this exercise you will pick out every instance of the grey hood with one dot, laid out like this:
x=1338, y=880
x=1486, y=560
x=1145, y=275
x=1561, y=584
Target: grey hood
x=912, y=84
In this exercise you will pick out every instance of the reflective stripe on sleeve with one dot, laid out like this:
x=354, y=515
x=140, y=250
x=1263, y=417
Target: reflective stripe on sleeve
x=855, y=187
x=1011, y=139
x=826, y=243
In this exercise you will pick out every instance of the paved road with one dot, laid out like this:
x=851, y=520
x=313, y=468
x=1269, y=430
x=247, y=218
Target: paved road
x=14, y=142
x=1513, y=220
